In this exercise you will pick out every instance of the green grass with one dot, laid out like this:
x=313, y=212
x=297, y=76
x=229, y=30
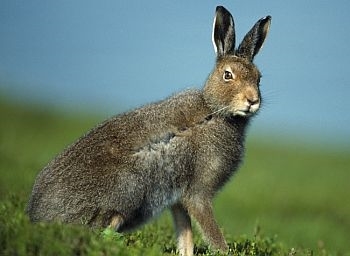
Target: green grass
x=298, y=194
x=287, y=199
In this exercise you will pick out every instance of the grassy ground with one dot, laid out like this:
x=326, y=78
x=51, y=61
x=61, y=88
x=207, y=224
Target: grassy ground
x=286, y=199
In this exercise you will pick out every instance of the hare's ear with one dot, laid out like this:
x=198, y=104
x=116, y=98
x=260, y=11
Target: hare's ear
x=254, y=39
x=223, y=32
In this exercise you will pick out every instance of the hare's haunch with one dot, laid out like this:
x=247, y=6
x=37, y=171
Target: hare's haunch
x=176, y=153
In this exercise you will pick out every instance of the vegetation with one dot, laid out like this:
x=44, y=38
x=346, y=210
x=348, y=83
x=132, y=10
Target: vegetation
x=286, y=199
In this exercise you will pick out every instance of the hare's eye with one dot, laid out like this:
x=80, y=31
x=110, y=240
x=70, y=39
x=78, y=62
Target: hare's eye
x=228, y=75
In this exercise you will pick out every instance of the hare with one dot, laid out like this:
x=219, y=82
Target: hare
x=175, y=153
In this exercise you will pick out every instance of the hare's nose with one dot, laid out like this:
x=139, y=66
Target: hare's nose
x=252, y=101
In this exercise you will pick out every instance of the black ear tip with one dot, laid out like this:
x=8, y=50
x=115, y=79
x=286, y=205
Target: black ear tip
x=265, y=22
x=266, y=18
x=221, y=9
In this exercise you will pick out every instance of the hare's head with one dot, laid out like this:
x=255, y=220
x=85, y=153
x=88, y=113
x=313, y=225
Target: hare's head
x=233, y=86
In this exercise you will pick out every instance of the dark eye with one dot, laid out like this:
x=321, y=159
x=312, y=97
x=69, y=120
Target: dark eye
x=228, y=75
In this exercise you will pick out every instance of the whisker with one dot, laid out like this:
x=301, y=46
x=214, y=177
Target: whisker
x=219, y=110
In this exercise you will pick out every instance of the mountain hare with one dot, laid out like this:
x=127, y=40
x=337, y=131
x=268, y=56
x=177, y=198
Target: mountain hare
x=176, y=153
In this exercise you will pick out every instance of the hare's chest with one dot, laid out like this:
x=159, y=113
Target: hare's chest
x=161, y=197
x=163, y=155
x=159, y=160
x=154, y=153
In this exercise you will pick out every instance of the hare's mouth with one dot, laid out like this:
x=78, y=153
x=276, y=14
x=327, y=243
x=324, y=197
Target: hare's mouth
x=242, y=113
x=229, y=111
x=248, y=111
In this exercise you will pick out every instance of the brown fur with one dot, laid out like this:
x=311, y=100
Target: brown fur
x=176, y=153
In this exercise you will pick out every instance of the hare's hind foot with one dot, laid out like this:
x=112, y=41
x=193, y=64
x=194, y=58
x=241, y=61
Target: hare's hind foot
x=116, y=222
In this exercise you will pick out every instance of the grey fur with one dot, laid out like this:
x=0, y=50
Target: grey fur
x=176, y=153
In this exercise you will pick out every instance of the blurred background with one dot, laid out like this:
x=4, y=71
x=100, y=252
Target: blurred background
x=111, y=56
x=94, y=59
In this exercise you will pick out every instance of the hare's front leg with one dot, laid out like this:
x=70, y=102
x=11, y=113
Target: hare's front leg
x=202, y=211
x=184, y=230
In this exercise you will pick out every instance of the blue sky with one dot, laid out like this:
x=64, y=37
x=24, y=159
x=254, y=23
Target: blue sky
x=107, y=56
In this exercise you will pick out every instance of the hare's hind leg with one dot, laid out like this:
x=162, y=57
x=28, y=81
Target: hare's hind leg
x=184, y=230
x=203, y=213
x=116, y=222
